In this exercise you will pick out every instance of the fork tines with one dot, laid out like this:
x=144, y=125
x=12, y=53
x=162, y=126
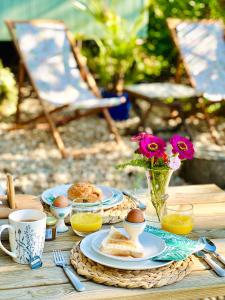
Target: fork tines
x=58, y=257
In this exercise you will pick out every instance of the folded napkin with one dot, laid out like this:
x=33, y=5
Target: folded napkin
x=178, y=247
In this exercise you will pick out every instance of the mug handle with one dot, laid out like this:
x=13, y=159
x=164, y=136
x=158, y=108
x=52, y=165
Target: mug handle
x=3, y=227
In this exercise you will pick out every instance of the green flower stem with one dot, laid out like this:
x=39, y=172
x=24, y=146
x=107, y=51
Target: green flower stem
x=153, y=191
x=158, y=183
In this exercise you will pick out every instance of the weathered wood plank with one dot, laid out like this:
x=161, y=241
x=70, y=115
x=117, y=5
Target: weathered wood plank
x=197, y=188
x=197, y=198
x=56, y=291
x=197, y=285
x=196, y=194
x=27, y=278
x=209, y=222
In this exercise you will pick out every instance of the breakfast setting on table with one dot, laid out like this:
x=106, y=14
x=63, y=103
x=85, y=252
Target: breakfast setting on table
x=128, y=239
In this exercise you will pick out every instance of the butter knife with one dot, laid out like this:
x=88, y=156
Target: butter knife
x=140, y=205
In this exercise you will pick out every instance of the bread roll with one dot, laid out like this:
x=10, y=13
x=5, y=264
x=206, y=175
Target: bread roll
x=84, y=192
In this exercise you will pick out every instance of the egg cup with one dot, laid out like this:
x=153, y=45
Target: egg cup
x=134, y=230
x=61, y=213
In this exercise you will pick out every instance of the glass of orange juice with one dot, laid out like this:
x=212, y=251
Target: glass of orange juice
x=86, y=220
x=177, y=219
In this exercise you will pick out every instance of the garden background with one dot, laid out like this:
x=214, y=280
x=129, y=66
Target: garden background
x=31, y=156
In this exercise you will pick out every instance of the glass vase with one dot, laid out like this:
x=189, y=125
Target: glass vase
x=158, y=181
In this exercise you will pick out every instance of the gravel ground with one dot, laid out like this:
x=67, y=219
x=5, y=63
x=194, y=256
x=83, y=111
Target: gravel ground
x=31, y=156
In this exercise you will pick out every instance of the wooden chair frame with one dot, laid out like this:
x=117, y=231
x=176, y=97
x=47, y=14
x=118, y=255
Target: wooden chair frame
x=133, y=96
x=172, y=24
x=46, y=114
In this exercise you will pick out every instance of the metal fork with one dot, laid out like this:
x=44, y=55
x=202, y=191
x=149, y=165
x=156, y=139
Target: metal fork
x=60, y=262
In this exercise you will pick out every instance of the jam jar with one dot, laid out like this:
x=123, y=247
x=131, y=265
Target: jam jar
x=50, y=233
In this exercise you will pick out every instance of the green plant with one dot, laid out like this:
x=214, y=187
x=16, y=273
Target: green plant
x=8, y=91
x=118, y=55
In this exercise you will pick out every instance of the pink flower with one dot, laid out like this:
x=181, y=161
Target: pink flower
x=182, y=146
x=137, y=137
x=152, y=146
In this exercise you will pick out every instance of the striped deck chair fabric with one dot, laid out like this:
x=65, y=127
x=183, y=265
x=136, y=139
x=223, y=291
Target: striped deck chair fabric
x=202, y=47
x=53, y=68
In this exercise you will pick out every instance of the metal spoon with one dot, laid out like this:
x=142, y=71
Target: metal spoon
x=211, y=248
x=219, y=271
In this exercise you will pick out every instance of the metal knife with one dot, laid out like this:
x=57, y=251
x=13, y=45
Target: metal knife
x=140, y=205
x=219, y=271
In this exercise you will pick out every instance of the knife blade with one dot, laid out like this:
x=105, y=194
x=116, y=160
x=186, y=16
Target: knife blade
x=140, y=205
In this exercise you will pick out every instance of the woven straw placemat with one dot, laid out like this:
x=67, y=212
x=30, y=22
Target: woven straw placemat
x=129, y=279
x=118, y=213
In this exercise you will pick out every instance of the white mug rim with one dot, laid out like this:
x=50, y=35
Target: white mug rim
x=13, y=214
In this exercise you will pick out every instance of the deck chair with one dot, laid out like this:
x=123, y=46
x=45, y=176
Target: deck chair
x=201, y=48
x=58, y=75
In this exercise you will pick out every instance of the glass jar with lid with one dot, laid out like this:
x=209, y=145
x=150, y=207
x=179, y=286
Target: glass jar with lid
x=50, y=233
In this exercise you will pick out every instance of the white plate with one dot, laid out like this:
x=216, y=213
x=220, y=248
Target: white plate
x=89, y=252
x=152, y=245
x=108, y=194
x=116, y=196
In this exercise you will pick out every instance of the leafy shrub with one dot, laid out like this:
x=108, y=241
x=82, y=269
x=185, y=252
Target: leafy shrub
x=8, y=91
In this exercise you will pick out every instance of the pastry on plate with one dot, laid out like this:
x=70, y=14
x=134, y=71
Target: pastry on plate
x=84, y=192
x=117, y=244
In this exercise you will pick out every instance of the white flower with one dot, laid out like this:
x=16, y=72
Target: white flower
x=174, y=162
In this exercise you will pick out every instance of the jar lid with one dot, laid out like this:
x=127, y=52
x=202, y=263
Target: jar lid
x=51, y=221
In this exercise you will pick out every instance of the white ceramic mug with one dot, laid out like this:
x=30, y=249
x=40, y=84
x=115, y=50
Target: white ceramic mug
x=26, y=235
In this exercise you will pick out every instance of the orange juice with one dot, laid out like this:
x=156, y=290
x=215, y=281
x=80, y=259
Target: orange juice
x=178, y=224
x=86, y=222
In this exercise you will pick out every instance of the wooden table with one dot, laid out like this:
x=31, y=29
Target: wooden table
x=20, y=282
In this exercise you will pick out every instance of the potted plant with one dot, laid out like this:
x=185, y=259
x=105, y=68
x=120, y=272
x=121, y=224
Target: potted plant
x=118, y=56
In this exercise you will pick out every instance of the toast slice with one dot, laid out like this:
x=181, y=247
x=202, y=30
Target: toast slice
x=117, y=244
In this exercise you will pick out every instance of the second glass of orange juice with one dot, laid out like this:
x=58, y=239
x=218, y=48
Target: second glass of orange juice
x=86, y=220
x=177, y=219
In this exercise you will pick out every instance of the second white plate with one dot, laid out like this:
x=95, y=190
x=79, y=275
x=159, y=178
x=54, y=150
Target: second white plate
x=111, y=196
x=89, y=252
